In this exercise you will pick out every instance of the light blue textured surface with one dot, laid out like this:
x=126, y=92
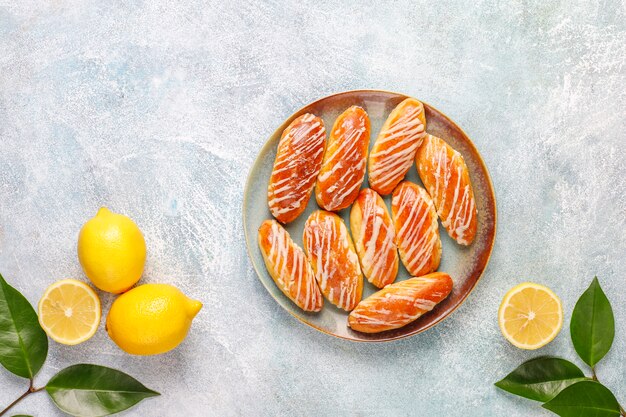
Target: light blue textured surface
x=157, y=109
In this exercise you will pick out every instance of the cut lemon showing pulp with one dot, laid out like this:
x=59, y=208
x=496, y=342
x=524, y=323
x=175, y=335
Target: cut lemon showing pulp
x=69, y=312
x=530, y=316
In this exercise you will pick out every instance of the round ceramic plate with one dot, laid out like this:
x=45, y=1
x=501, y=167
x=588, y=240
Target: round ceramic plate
x=464, y=264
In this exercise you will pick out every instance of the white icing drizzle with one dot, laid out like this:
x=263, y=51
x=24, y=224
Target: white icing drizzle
x=378, y=253
x=417, y=234
x=401, y=303
x=298, y=161
x=335, y=264
x=347, y=158
x=458, y=213
x=395, y=147
x=289, y=268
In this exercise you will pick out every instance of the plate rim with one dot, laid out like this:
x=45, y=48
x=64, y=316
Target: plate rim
x=300, y=319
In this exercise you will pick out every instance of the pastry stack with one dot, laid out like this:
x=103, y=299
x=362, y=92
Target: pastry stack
x=335, y=259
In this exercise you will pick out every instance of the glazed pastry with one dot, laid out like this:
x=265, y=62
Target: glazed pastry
x=298, y=161
x=446, y=177
x=343, y=168
x=417, y=230
x=330, y=251
x=396, y=144
x=401, y=303
x=374, y=238
x=286, y=263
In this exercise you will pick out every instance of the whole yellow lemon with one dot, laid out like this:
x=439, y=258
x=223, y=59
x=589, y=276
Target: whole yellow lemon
x=151, y=319
x=112, y=251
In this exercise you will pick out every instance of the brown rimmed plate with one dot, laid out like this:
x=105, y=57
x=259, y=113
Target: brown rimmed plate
x=464, y=264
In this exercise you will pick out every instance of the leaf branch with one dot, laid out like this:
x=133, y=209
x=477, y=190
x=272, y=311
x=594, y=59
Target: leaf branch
x=31, y=390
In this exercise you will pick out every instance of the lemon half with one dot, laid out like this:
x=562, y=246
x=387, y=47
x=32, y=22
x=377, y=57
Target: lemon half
x=69, y=312
x=530, y=316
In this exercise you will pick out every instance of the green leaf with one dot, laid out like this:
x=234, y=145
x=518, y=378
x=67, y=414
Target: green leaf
x=21, y=415
x=92, y=390
x=541, y=379
x=23, y=343
x=584, y=399
x=593, y=326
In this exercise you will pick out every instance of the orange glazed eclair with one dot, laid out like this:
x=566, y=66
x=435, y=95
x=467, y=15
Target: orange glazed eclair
x=343, y=167
x=401, y=303
x=394, y=149
x=445, y=175
x=298, y=161
x=374, y=238
x=330, y=251
x=417, y=230
x=287, y=265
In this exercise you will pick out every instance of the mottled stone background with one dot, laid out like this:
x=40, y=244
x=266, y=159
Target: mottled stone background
x=157, y=109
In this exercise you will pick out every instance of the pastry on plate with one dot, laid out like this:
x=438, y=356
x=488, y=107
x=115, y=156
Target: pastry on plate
x=394, y=149
x=400, y=303
x=288, y=266
x=374, y=238
x=335, y=264
x=446, y=177
x=417, y=230
x=343, y=167
x=297, y=164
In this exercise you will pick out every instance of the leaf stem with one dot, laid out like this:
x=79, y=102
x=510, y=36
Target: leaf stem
x=31, y=390
x=595, y=378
